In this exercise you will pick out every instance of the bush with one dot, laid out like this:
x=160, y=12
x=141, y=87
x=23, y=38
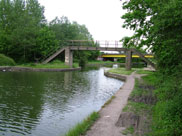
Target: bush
x=82, y=62
x=6, y=61
x=167, y=117
x=57, y=62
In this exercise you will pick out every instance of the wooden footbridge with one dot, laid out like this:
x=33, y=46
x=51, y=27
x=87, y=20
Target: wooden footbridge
x=81, y=45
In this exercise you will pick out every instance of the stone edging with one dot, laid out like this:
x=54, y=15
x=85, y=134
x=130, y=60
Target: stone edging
x=116, y=76
x=20, y=69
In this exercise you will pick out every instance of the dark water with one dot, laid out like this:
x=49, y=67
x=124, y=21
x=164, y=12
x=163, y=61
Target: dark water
x=49, y=104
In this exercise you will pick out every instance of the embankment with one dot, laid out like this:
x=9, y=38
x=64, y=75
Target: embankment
x=20, y=69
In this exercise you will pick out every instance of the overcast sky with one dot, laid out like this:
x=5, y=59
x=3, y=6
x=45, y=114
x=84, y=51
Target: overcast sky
x=101, y=17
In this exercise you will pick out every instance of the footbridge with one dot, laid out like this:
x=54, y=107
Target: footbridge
x=85, y=45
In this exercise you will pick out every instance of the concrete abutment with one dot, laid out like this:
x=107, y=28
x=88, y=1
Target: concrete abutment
x=69, y=57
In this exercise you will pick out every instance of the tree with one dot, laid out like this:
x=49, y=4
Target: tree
x=157, y=26
x=66, y=30
x=19, y=26
x=45, y=42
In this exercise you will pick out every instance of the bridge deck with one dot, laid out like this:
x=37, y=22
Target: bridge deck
x=85, y=48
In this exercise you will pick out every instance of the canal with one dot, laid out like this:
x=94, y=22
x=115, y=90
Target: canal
x=50, y=103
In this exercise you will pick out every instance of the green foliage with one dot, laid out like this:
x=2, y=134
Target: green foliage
x=45, y=42
x=81, y=128
x=66, y=30
x=129, y=130
x=167, y=118
x=6, y=61
x=82, y=62
x=26, y=36
x=19, y=26
x=157, y=25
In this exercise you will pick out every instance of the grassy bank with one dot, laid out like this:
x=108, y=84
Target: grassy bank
x=121, y=71
x=84, y=126
x=6, y=61
x=55, y=64
x=167, y=114
x=141, y=103
x=158, y=99
x=97, y=62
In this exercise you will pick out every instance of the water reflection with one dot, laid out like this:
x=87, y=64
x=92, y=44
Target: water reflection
x=20, y=103
x=44, y=104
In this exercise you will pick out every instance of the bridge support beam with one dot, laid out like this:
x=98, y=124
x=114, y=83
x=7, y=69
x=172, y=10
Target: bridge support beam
x=128, y=62
x=69, y=57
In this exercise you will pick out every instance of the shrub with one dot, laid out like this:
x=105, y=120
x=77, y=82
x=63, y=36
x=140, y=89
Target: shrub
x=82, y=62
x=6, y=61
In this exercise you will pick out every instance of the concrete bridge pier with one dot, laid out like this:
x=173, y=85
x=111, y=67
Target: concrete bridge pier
x=69, y=57
x=128, y=62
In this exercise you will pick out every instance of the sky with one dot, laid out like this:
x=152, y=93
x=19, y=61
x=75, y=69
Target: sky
x=101, y=17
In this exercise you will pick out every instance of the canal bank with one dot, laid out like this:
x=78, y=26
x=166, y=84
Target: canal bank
x=26, y=69
x=109, y=115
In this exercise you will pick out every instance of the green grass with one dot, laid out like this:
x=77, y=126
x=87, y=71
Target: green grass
x=136, y=91
x=6, y=61
x=136, y=104
x=141, y=71
x=121, y=71
x=109, y=101
x=167, y=114
x=137, y=108
x=127, y=131
x=83, y=127
x=53, y=65
x=101, y=62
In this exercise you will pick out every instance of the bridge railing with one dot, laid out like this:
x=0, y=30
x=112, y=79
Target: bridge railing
x=97, y=43
x=88, y=43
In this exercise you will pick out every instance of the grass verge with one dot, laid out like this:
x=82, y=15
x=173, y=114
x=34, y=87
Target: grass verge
x=55, y=64
x=101, y=62
x=141, y=103
x=141, y=71
x=83, y=127
x=109, y=101
x=135, y=103
x=129, y=130
x=121, y=71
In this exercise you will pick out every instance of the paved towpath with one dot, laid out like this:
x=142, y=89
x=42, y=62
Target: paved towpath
x=109, y=115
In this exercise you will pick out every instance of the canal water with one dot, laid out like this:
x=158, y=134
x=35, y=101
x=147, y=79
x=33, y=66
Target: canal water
x=50, y=103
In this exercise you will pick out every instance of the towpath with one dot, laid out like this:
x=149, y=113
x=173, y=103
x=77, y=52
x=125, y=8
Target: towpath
x=109, y=115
